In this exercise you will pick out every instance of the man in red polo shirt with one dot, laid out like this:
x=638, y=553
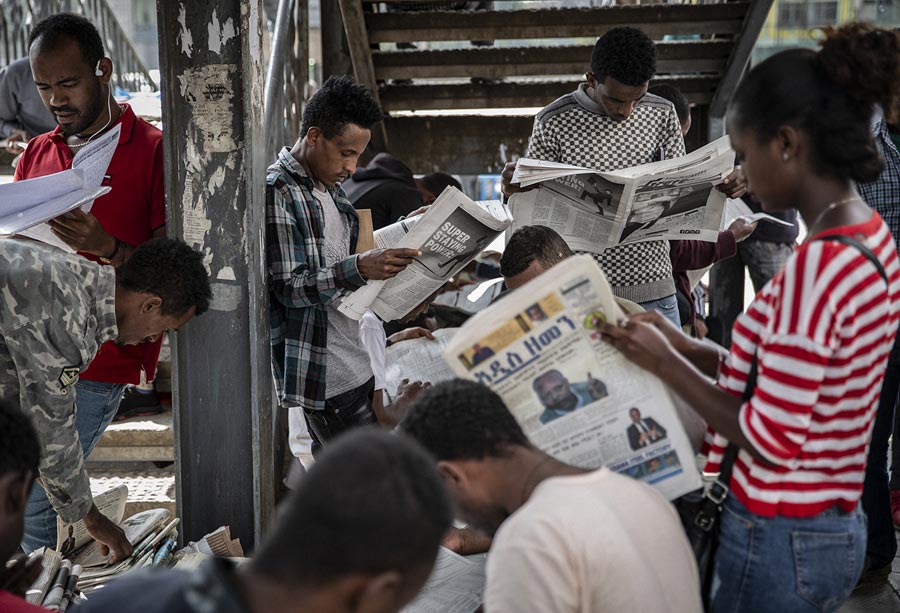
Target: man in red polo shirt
x=73, y=76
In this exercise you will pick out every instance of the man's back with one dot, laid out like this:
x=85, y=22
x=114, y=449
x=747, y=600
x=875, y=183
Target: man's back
x=593, y=543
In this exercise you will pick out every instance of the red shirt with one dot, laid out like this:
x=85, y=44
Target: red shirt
x=10, y=603
x=130, y=212
x=821, y=330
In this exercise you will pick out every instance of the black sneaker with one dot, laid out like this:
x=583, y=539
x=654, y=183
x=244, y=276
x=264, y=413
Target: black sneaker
x=135, y=403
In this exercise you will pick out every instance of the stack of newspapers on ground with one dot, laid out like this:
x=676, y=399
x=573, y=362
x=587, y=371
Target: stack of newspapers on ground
x=593, y=211
x=77, y=565
x=449, y=235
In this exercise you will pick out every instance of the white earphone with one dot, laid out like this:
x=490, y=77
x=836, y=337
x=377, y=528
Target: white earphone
x=97, y=71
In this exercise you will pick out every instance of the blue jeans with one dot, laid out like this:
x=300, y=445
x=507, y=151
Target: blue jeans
x=786, y=564
x=95, y=407
x=668, y=306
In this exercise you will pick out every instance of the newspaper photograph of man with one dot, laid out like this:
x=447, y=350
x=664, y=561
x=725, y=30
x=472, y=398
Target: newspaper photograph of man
x=480, y=353
x=643, y=431
x=559, y=397
x=655, y=206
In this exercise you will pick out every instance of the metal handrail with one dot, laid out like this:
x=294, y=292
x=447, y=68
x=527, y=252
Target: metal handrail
x=287, y=76
x=17, y=17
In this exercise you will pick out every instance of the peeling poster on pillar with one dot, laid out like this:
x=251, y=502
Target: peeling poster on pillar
x=209, y=90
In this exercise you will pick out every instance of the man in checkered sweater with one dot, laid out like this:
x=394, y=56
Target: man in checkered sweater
x=611, y=123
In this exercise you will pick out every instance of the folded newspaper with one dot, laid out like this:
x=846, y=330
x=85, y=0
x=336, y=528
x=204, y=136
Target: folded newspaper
x=449, y=235
x=593, y=211
x=576, y=397
x=29, y=203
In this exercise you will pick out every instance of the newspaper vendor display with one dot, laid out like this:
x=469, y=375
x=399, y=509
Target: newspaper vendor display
x=448, y=236
x=575, y=396
x=593, y=211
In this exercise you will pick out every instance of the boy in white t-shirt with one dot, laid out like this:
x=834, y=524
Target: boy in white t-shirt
x=566, y=539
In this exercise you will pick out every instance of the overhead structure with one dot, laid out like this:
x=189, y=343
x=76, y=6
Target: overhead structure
x=452, y=108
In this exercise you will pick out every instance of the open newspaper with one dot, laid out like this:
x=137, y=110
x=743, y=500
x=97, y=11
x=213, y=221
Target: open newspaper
x=449, y=235
x=593, y=211
x=456, y=585
x=420, y=359
x=26, y=205
x=576, y=397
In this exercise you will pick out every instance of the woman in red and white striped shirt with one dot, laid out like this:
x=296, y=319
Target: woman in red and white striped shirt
x=793, y=536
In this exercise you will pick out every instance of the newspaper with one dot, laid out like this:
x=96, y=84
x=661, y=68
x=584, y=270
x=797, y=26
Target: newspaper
x=456, y=585
x=420, y=359
x=449, y=235
x=29, y=203
x=111, y=503
x=736, y=208
x=593, y=211
x=576, y=397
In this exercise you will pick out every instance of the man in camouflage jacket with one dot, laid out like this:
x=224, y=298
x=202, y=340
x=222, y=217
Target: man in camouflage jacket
x=56, y=310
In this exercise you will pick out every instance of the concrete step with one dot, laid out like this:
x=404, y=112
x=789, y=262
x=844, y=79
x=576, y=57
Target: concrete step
x=138, y=439
x=149, y=487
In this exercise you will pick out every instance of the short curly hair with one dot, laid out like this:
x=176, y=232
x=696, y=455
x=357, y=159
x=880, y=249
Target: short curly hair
x=530, y=243
x=20, y=450
x=626, y=54
x=463, y=420
x=51, y=33
x=170, y=269
x=340, y=101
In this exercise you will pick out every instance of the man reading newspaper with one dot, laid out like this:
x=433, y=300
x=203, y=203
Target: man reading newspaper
x=611, y=123
x=311, y=239
x=567, y=538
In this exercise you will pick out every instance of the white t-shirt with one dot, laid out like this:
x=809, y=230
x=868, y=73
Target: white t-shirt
x=593, y=543
x=348, y=363
x=374, y=340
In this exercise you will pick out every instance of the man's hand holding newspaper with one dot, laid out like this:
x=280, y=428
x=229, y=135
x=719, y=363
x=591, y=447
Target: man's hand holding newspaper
x=380, y=264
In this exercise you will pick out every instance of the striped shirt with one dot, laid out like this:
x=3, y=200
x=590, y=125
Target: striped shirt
x=821, y=331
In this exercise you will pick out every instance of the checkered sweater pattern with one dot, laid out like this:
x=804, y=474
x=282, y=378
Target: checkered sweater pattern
x=576, y=130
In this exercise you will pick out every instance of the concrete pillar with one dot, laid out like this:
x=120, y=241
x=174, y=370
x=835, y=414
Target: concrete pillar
x=212, y=73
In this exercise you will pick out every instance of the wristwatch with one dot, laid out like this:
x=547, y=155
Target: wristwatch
x=108, y=259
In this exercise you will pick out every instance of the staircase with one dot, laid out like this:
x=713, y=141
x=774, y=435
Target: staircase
x=540, y=51
x=18, y=16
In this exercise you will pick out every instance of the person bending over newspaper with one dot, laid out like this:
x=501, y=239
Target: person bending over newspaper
x=371, y=548
x=567, y=539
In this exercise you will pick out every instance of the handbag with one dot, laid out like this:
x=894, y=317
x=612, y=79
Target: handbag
x=700, y=510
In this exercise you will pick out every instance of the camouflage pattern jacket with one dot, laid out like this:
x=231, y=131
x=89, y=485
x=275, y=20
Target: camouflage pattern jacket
x=55, y=312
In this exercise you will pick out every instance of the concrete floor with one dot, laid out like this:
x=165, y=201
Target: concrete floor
x=880, y=598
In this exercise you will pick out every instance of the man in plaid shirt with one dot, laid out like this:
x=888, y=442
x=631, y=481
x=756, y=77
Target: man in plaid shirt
x=883, y=195
x=311, y=233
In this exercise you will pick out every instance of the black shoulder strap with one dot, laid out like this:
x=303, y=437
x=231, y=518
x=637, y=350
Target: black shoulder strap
x=867, y=253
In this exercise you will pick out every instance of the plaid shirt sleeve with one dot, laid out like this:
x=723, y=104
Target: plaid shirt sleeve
x=299, y=277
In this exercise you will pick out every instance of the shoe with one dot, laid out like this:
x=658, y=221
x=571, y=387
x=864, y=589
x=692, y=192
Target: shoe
x=136, y=403
x=895, y=507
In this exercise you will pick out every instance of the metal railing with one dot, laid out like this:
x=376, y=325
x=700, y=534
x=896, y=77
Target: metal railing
x=18, y=16
x=287, y=79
